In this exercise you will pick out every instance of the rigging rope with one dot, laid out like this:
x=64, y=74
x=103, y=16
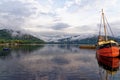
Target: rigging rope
x=109, y=27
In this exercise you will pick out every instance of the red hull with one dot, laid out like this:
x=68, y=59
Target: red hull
x=109, y=52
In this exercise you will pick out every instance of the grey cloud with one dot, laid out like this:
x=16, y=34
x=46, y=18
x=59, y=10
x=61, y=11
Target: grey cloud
x=56, y=26
x=87, y=2
x=48, y=14
x=60, y=26
x=13, y=14
x=74, y=7
x=87, y=28
x=15, y=8
x=11, y=22
x=115, y=27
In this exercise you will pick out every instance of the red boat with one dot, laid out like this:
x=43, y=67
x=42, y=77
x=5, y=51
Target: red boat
x=105, y=46
x=108, y=48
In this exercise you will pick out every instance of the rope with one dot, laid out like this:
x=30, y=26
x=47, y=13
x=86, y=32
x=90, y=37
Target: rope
x=109, y=27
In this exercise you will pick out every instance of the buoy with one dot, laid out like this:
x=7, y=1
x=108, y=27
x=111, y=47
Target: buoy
x=6, y=49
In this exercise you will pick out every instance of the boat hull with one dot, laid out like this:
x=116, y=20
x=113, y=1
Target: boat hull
x=112, y=51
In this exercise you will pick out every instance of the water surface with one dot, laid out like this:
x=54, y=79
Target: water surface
x=52, y=62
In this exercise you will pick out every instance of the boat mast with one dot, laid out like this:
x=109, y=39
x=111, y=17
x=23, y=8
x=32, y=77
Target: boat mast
x=105, y=31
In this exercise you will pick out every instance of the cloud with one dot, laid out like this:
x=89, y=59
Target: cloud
x=60, y=26
x=57, y=16
x=115, y=28
x=13, y=14
x=15, y=8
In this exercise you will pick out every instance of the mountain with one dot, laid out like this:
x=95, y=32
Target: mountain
x=64, y=37
x=12, y=36
x=81, y=39
x=73, y=39
x=76, y=40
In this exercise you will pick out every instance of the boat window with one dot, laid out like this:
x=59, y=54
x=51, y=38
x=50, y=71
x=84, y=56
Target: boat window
x=114, y=44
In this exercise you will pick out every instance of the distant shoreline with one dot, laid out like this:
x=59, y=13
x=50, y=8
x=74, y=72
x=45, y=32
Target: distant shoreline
x=7, y=44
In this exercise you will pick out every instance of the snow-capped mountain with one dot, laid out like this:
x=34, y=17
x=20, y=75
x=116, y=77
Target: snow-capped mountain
x=65, y=37
x=76, y=39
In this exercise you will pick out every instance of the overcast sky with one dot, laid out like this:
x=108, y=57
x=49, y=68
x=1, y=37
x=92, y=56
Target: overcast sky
x=58, y=16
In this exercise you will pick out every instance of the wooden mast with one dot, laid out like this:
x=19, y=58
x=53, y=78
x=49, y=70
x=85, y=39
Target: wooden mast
x=105, y=31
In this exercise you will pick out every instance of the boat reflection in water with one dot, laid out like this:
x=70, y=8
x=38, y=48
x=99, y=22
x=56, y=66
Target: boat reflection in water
x=108, y=67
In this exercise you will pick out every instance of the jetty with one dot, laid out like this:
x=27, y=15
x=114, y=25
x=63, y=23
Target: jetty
x=87, y=46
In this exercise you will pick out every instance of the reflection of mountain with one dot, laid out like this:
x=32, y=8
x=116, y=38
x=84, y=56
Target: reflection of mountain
x=18, y=50
x=26, y=48
x=107, y=65
x=68, y=47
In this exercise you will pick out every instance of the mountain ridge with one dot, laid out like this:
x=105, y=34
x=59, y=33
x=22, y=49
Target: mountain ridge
x=86, y=40
x=11, y=36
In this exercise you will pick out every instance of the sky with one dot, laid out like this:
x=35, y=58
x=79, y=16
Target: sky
x=51, y=17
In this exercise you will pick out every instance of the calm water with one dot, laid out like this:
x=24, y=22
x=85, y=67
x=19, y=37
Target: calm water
x=55, y=62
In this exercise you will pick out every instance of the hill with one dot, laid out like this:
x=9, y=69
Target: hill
x=12, y=37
